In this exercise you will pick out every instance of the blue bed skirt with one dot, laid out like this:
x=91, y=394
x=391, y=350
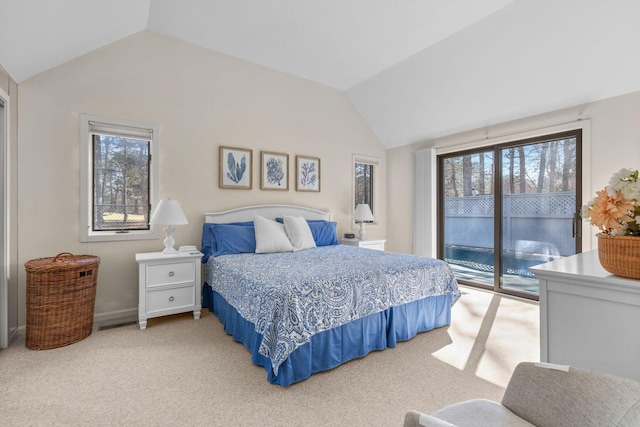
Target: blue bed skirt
x=331, y=348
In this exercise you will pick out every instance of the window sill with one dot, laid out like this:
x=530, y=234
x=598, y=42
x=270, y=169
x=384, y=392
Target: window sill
x=112, y=236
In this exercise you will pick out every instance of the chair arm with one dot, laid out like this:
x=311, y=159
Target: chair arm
x=418, y=419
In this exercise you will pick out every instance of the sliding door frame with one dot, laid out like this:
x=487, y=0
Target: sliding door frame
x=496, y=149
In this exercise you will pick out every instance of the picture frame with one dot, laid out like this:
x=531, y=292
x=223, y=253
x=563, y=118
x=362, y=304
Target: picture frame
x=307, y=173
x=274, y=171
x=236, y=167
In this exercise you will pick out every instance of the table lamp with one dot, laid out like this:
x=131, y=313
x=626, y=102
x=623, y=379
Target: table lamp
x=169, y=213
x=362, y=214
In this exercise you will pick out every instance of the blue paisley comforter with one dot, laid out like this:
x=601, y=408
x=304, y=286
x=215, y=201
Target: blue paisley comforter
x=291, y=296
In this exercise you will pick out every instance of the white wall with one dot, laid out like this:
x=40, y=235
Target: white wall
x=201, y=100
x=613, y=143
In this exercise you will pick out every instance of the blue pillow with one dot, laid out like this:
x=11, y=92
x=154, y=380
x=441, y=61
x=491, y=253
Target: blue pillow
x=234, y=239
x=323, y=232
x=209, y=245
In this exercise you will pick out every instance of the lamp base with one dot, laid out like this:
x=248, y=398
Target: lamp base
x=362, y=234
x=169, y=242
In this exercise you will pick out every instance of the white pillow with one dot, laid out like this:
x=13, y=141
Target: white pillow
x=299, y=233
x=270, y=236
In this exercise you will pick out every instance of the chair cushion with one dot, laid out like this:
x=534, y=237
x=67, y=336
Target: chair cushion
x=572, y=398
x=480, y=413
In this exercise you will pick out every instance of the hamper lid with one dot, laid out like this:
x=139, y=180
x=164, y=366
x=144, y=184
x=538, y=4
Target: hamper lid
x=62, y=261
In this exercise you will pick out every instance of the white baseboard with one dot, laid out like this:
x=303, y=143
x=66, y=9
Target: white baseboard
x=99, y=320
x=15, y=333
x=114, y=318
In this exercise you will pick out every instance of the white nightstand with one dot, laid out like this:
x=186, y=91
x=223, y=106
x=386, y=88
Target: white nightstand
x=168, y=284
x=377, y=244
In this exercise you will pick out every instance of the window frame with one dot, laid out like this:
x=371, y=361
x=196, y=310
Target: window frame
x=123, y=127
x=375, y=163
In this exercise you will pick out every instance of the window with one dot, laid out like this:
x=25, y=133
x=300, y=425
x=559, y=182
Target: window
x=364, y=176
x=364, y=184
x=119, y=178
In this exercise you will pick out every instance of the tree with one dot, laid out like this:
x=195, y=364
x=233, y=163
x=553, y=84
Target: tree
x=511, y=156
x=568, y=154
x=467, y=171
x=121, y=170
x=364, y=178
x=481, y=180
x=491, y=174
x=523, y=170
x=553, y=154
x=452, y=175
x=543, y=167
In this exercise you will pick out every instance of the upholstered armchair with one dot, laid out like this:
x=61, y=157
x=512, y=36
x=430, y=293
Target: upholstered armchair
x=545, y=395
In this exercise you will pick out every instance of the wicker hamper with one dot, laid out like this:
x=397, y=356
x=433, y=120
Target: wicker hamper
x=61, y=293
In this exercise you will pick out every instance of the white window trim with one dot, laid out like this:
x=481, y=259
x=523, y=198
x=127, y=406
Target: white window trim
x=375, y=162
x=86, y=187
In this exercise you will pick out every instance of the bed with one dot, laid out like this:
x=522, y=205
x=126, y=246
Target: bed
x=305, y=311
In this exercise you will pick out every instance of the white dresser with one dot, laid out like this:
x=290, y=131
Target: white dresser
x=589, y=318
x=377, y=244
x=168, y=284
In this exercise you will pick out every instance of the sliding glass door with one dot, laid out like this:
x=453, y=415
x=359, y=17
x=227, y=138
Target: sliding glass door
x=506, y=208
x=539, y=202
x=468, y=212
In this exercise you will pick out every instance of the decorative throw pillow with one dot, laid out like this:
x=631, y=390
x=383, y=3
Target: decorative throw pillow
x=270, y=236
x=298, y=232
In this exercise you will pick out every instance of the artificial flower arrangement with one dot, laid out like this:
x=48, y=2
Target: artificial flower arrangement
x=615, y=208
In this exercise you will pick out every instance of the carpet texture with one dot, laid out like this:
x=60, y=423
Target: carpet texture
x=181, y=371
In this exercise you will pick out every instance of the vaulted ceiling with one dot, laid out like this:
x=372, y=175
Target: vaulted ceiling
x=415, y=69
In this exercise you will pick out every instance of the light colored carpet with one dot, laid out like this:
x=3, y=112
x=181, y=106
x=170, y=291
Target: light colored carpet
x=181, y=371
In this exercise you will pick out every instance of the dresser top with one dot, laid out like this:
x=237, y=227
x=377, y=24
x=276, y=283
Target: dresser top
x=585, y=266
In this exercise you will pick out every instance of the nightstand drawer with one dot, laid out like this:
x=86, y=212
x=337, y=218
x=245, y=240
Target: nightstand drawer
x=169, y=299
x=169, y=274
x=378, y=246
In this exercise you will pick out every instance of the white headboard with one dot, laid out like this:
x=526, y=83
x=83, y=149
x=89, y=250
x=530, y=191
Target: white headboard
x=268, y=211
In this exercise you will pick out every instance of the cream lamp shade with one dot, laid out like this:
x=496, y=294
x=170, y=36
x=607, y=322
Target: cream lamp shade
x=169, y=213
x=362, y=214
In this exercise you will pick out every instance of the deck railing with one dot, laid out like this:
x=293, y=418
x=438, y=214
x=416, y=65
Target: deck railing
x=531, y=217
x=121, y=217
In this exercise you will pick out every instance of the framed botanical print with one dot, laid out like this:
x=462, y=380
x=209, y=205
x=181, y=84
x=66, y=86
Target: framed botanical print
x=236, y=165
x=274, y=171
x=307, y=173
